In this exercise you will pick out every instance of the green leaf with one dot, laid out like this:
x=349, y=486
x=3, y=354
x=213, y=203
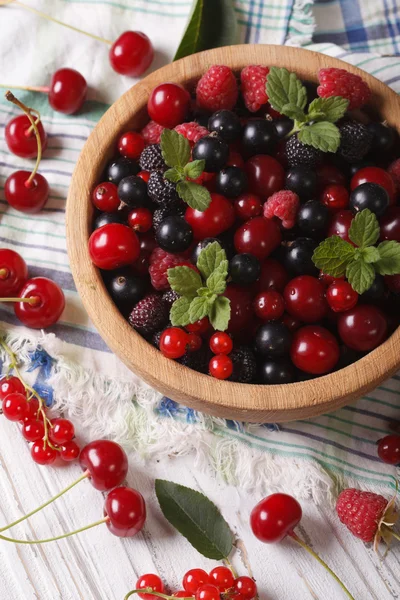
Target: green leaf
x=196, y=518
x=360, y=275
x=216, y=282
x=333, y=255
x=220, y=313
x=194, y=169
x=389, y=262
x=323, y=135
x=364, y=229
x=204, y=291
x=175, y=148
x=184, y=280
x=370, y=254
x=293, y=112
x=195, y=195
x=209, y=258
x=179, y=313
x=285, y=88
x=327, y=109
x=212, y=24
x=173, y=175
x=199, y=308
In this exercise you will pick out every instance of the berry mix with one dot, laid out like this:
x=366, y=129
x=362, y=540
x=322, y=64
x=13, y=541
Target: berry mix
x=252, y=231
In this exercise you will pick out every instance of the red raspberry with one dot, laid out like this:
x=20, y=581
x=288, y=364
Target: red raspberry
x=192, y=131
x=394, y=170
x=339, y=82
x=160, y=262
x=217, y=89
x=361, y=512
x=284, y=205
x=253, y=80
x=152, y=133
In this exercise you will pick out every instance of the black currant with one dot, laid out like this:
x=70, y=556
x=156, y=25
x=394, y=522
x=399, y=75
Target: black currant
x=303, y=181
x=272, y=372
x=273, y=339
x=383, y=138
x=132, y=191
x=213, y=150
x=297, y=257
x=231, y=182
x=174, y=234
x=375, y=292
x=283, y=127
x=227, y=124
x=313, y=218
x=120, y=168
x=244, y=269
x=120, y=216
x=125, y=288
x=369, y=195
x=259, y=137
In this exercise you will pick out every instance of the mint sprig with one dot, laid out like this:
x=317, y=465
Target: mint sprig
x=315, y=126
x=359, y=263
x=201, y=294
x=176, y=152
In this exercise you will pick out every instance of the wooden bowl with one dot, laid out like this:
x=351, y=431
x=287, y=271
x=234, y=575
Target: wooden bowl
x=255, y=403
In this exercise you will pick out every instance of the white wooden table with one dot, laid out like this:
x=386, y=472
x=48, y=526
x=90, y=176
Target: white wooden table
x=95, y=565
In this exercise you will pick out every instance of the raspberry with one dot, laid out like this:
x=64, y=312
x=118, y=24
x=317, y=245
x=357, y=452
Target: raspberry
x=284, y=205
x=160, y=190
x=339, y=82
x=298, y=153
x=361, y=512
x=355, y=141
x=217, y=89
x=149, y=315
x=160, y=262
x=151, y=159
x=253, y=80
x=192, y=131
x=152, y=133
x=394, y=170
x=163, y=212
x=244, y=365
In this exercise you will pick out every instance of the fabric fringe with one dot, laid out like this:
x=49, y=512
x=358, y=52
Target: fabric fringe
x=301, y=24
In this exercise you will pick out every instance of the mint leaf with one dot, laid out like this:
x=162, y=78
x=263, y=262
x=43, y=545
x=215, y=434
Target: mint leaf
x=195, y=195
x=285, y=88
x=198, y=308
x=173, y=175
x=204, y=291
x=175, y=148
x=184, y=280
x=216, y=282
x=333, y=255
x=194, y=169
x=209, y=258
x=370, y=254
x=389, y=262
x=323, y=135
x=179, y=313
x=327, y=109
x=220, y=313
x=360, y=275
x=364, y=229
x=294, y=112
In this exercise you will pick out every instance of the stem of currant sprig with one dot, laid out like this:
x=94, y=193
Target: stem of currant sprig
x=150, y=591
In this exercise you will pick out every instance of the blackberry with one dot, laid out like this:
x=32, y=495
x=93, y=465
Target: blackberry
x=151, y=159
x=169, y=298
x=355, y=141
x=160, y=190
x=301, y=154
x=163, y=212
x=198, y=361
x=244, y=365
x=149, y=315
x=155, y=338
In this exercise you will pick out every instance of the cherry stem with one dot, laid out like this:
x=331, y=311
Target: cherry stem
x=395, y=535
x=28, y=88
x=150, y=591
x=321, y=562
x=11, y=98
x=31, y=300
x=39, y=508
x=42, y=14
x=58, y=537
x=231, y=567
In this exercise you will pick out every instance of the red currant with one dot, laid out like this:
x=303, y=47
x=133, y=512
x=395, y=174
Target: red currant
x=207, y=592
x=131, y=144
x=193, y=579
x=43, y=454
x=329, y=175
x=235, y=160
x=340, y=225
x=21, y=139
x=70, y=451
x=145, y=175
x=10, y=385
x=33, y=430
x=221, y=366
x=390, y=224
x=173, y=342
x=15, y=407
x=248, y=206
x=305, y=299
x=341, y=296
x=363, y=327
x=106, y=462
x=199, y=327
x=375, y=175
x=181, y=594
x=273, y=276
x=265, y=175
x=269, y=305
x=47, y=305
x=218, y=217
x=149, y=581
x=221, y=343
x=13, y=272
x=131, y=54
x=194, y=342
x=246, y=587
x=126, y=510
x=222, y=578
x=33, y=410
x=61, y=431
x=169, y=104
x=113, y=245
x=389, y=449
x=105, y=197
x=275, y=517
x=314, y=350
x=335, y=197
x=258, y=236
x=68, y=89
x=25, y=194
x=140, y=219
x=241, y=310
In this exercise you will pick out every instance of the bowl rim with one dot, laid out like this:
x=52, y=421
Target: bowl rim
x=250, y=402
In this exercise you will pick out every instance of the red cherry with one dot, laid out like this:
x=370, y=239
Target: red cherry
x=62, y=431
x=275, y=517
x=222, y=578
x=246, y=587
x=341, y=296
x=33, y=430
x=335, y=197
x=207, y=592
x=13, y=272
x=193, y=579
x=33, y=410
x=131, y=54
x=329, y=175
x=340, y=225
x=173, y=342
x=145, y=175
x=305, y=299
x=113, y=245
x=389, y=449
x=199, y=327
x=248, y=206
x=15, y=407
x=393, y=283
x=221, y=343
x=168, y=105
x=48, y=303
x=126, y=510
x=375, y=175
x=291, y=322
x=106, y=462
x=221, y=366
x=265, y=175
x=68, y=90
x=149, y=581
x=10, y=385
x=21, y=139
x=363, y=327
x=269, y=305
x=390, y=224
x=258, y=236
x=43, y=455
x=241, y=310
x=314, y=350
x=105, y=197
x=140, y=219
x=235, y=160
x=218, y=217
x=70, y=451
x=26, y=197
x=131, y=144
x=273, y=276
